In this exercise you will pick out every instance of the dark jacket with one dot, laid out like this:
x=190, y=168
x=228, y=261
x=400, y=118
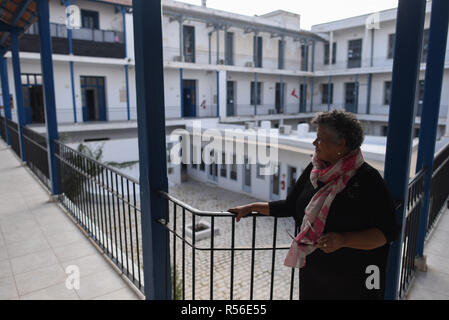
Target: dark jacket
x=364, y=203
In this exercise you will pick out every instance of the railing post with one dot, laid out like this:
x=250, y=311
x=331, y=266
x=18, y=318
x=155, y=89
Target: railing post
x=409, y=33
x=152, y=148
x=49, y=92
x=19, y=93
x=431, y=107
x=6, y=95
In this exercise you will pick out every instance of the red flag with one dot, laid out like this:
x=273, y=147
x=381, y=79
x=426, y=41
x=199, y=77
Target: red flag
x=294, y=94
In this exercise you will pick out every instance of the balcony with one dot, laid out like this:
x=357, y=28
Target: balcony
x=241, y=261
x=39, y=244
x=85, y=42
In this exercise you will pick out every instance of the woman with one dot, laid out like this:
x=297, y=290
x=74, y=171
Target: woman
x=346, y=215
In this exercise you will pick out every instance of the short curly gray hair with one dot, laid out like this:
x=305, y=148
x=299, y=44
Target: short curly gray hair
x=344, y=124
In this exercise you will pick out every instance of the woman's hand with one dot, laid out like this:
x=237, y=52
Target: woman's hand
x=331, y=242
x=242, y=211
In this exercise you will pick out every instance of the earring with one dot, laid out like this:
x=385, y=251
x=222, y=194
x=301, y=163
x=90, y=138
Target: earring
x=339, y=153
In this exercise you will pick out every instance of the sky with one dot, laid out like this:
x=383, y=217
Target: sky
x=312, y=11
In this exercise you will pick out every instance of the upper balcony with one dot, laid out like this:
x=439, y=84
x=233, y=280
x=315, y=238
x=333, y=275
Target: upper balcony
x=85, y=41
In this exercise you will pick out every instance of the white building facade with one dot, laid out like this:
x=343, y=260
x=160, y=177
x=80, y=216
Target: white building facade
x=221, y=65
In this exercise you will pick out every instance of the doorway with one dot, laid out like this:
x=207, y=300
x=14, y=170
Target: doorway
x=189, y=98
x=212, y=173
x=93, y=98
x=230, y=102
x=279, y=97
x=275, y=183
x=291, y=179
x=33, y=98
x=302, y=97
x=351, y=97
x=247, y=176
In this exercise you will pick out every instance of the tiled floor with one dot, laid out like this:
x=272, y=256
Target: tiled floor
x=39, y=243
x=434, y=284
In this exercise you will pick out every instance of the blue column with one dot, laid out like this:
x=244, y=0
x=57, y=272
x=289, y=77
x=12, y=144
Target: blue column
x=123, y=10
x=303, y=98
x=368, y=95
x=6, y=95
x=311, y=94
x=218, y=94
x=18, y=89
x=49, y=92
x=72, y=78
x=281, y=93
x=181, y=96
x=313, y=56
x=152, y=148
x=255, y=92
x=431, y=106
x=409, y=34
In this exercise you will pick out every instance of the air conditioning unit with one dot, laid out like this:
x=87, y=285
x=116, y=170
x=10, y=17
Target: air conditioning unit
x=249, y=64
x=177, y=58
x=285, y=129
x=250, y=125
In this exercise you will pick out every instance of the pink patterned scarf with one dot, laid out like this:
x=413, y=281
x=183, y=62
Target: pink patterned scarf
x=336, y=178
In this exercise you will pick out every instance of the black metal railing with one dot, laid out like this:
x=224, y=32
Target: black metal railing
x=14, y=137
x=224, y=260
x=105, y=203
x=37, y=155
x=439, y=191
x=212, y=257
x=409, y=242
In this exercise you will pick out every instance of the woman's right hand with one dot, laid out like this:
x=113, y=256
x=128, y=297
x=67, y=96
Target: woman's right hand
x=242, y=211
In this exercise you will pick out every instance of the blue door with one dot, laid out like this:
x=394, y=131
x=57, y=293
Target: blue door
x=189, y=98
x=93, y=99
x=275, y=183
x=33, y=98
x=246, y=176
x=351, y=94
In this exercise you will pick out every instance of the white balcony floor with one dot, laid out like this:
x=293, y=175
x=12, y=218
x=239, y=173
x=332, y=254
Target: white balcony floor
x=434, y=283
x=38, y=241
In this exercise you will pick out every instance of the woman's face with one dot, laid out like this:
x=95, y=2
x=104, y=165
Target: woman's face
x=327, y=147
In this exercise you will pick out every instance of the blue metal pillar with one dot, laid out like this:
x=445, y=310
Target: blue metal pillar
x=18, y=89
x=368, y=95
x=128, y=110
x=313, y=56
x=152, y=155
x=72, y=78
x=181, y=92
x=303, y=98
x=281, y=93
x=431, y=107
x=218, y=94
x=256, y=96
x=49, y=92
x=6, y=95
x=409, y=33
x=311, y=94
